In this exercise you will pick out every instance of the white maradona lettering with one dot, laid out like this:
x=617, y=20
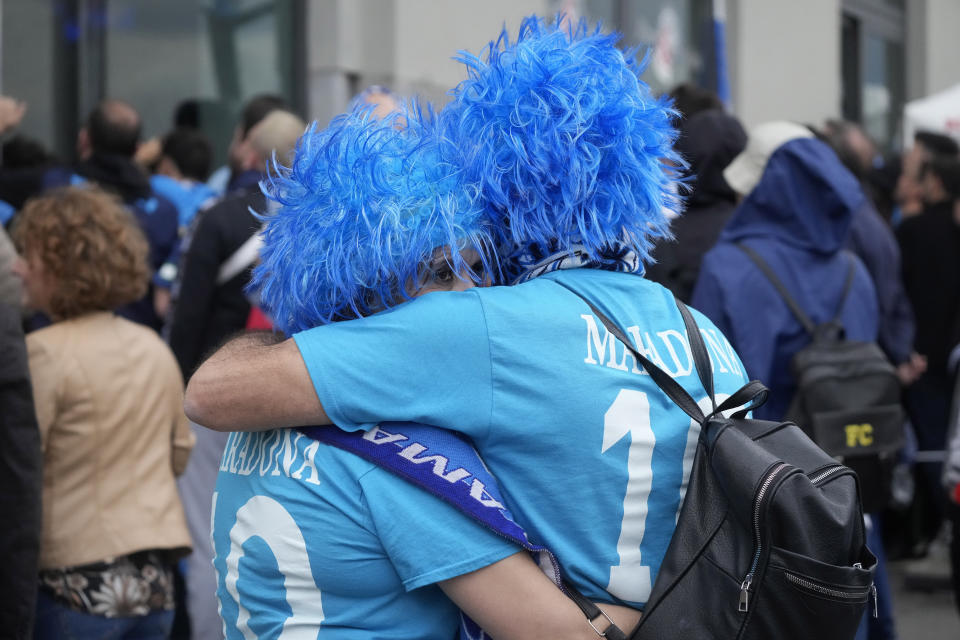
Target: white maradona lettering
x=668, y=337
x=603, y=347
x=721, y=352
x=308, y=465
x=271, y=453
x=593, y=338
x=288, y=453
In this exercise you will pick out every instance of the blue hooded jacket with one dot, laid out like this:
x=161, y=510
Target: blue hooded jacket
x=798, y=219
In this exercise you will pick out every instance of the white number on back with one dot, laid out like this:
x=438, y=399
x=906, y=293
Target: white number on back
x=630, y=414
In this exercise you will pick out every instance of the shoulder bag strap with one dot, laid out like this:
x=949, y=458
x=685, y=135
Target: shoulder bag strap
x=663, y=379
x=593, y=612
x=699, y=351
x=779, y=286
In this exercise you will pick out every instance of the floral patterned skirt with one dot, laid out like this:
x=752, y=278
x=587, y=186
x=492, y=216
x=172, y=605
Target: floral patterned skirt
x=132, y=585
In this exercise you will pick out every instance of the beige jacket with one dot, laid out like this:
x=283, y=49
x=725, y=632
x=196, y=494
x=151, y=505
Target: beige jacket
x=109, y=401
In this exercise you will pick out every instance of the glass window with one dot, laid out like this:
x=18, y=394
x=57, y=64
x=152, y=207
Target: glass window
x=160, y=52
x=34, y=68
x=882, y=92
x=676, y=30
x=873, y=67
x=151, y=53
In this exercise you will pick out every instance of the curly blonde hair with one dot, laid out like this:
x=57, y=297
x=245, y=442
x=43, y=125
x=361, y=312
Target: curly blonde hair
x=90, y=246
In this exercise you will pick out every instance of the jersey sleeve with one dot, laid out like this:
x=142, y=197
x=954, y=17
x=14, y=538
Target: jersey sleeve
x=426, y=539
x=425, y=361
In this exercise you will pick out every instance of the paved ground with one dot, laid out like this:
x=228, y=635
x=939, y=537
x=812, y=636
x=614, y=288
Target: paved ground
x=923, y=600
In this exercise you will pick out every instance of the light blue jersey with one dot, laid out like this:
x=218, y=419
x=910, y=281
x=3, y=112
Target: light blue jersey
x=188, y=196
x=313, y=542
x=592, y=458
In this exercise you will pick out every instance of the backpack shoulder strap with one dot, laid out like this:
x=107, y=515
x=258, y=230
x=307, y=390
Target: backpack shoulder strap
x=847, y=285
x=698, y=349
x=781, y=289
x=660, y=377
x=747, y=398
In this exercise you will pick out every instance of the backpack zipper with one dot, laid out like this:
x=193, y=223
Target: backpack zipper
x=826, y=473
x=758, y=502
x=816, y=479
x=835, y=593
x=873, y=592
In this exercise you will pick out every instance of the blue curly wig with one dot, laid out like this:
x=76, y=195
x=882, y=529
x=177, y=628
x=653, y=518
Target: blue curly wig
x=566, y=146
x=364, y=205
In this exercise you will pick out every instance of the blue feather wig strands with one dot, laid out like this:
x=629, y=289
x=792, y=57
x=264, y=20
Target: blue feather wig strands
x=364, y=205
x=567, y=147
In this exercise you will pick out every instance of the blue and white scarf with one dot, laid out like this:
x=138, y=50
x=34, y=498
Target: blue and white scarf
x=533, y=263
x=445, y=464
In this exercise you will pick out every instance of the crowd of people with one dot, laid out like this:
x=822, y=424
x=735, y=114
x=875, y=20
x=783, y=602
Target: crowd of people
x=431, y=268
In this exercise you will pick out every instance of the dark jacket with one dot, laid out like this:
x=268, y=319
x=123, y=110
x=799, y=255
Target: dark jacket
x=21, y=482
x=797, y=218
x=709, y=141
x=206, y=313
x=874, y=243
x=157, y=216
x=930, y=245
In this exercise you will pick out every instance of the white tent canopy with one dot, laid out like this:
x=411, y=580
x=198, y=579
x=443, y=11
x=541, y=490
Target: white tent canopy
x=939, y=113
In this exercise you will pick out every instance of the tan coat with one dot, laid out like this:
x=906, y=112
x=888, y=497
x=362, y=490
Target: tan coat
x=109, y=399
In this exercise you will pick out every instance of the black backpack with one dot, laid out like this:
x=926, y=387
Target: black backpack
x=770, y=540
x=848, y=394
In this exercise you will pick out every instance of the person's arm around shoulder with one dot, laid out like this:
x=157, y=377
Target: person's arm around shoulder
x=514, y=600
x=253, y=383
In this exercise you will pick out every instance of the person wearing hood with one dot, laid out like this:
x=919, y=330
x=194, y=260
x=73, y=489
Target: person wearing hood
x=799, y=201
x=106, y=145
x=709, y=140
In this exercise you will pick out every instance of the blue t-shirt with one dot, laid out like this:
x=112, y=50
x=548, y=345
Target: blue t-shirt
x=187, y=196
x=311, y=541
x=592, y=458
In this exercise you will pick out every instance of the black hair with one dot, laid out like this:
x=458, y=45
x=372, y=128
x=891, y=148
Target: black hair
x=689, y=100
x=114, y=128
x=191, y=151
x=21, y=152
x=937, y=143
x=257, y=108
x=836, y=133
x=187, y=114
x=947, y=170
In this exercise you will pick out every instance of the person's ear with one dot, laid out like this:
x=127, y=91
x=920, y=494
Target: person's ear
x=168, y=167
x=250, y=159
x=148, y=153
x=84, y=148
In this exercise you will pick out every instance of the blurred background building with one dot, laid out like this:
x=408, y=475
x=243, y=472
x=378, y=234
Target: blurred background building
x=806, y=61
